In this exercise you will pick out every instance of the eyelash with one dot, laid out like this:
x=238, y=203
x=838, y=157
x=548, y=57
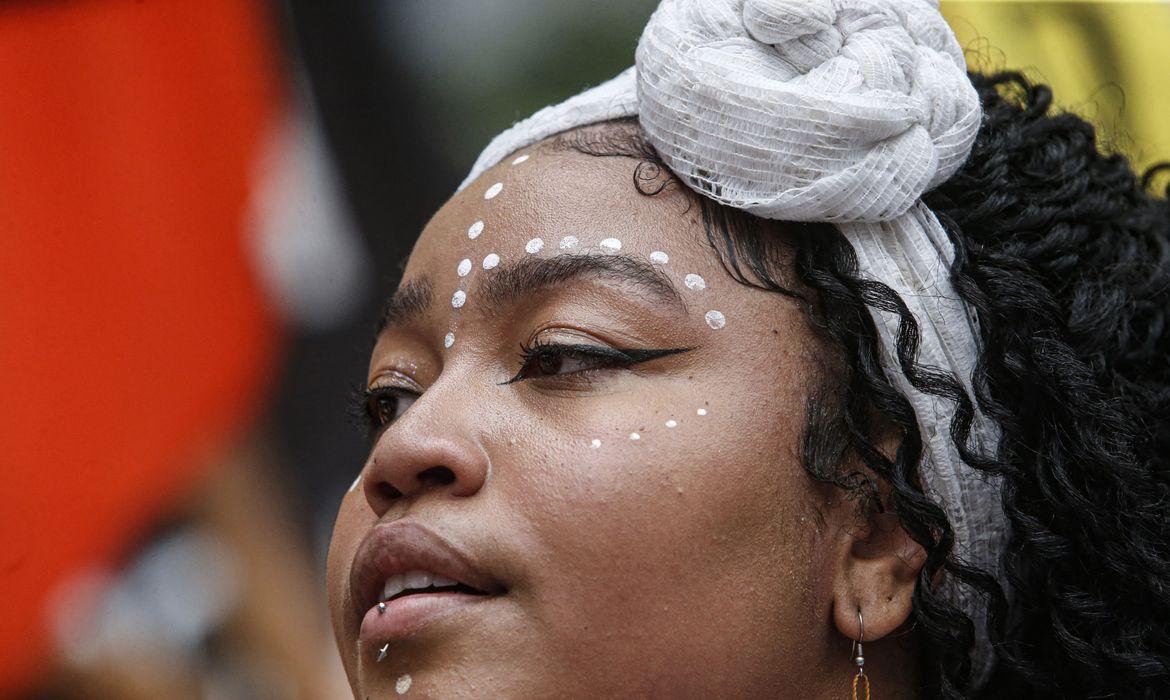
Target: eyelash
x=368, y=409
x=596, y=356
x=367, y=406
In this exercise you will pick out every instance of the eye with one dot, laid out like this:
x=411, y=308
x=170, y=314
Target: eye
x=384, y=405
x=552, y=360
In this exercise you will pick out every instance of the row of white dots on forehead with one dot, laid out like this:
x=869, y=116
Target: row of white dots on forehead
x=596, y=443
x=464, y=268
x=715, y=319
x=490, y=261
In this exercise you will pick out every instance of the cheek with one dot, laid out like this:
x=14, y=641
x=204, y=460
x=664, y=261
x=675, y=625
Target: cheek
x=704, y=521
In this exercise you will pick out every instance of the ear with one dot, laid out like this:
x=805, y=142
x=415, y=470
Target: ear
x=876, y=573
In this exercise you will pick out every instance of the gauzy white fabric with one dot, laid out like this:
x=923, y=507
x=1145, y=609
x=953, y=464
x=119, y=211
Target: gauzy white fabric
x=843, y=111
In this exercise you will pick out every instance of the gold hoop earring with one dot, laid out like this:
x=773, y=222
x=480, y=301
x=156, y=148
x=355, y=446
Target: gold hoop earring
x=860, y=681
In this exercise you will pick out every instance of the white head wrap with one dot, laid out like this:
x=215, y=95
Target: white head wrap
x=844, y=111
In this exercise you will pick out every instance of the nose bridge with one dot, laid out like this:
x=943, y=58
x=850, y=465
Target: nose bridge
x=432, y=447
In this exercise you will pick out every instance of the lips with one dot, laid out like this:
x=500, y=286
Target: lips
x=420, y=575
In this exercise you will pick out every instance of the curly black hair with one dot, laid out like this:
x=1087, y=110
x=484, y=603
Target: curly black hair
x=1065, y=257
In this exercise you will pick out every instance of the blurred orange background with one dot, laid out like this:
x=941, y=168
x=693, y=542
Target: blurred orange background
x=137, y=337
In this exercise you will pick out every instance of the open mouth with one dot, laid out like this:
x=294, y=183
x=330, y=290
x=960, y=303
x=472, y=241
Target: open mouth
x=422, y=583
x=404, y=577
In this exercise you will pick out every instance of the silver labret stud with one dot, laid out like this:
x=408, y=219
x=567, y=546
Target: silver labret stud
x=382, y=652
x=381, y=608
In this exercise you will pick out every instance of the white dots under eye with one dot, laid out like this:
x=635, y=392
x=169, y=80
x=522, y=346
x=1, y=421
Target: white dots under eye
x=464, y=267
x=701, y=412
x=493, y=190
x=448, y=340
x=459, y=299
x=520, y=160
x=474, y=230
x=490, y=261
x=635, y=436
x=568, y=242
x=659, y=258
x=672, y=423
x=715, y=319
x=695, y=282
x=595, y=443
x=611, y=245
x=533, y=246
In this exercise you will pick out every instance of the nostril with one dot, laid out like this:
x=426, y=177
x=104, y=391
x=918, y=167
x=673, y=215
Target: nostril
x=386, y=491
x=436, y=476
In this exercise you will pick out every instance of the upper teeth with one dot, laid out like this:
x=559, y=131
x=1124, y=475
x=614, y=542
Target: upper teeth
x=413, y=580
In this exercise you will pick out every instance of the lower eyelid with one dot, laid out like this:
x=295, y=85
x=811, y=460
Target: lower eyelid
x=585, y=377
x=589, y=380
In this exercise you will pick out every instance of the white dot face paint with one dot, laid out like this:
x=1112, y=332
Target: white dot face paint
x=493, y=191
x=701, y=412
x=716, y=319
x=464, y=267
x=695, y=282
x=569, y=242
x=520, y=160
x=402, y=685
x=490, y=261
x=459, y=299
x=672, y=423
x=611, y=245
x=534, y=246
x=448, y=340
x=474, y=230
x=659, y=258
x=595, y=443
x=635, y=436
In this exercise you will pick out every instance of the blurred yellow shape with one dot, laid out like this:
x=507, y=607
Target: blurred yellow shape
x=1104, y=60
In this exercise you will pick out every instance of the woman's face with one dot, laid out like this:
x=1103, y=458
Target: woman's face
x=594, y=430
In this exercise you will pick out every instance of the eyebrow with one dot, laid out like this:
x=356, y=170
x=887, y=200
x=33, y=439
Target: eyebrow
x=409, y=301
x=531, y=276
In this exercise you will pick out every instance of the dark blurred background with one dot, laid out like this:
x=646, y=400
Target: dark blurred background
x=202, y=206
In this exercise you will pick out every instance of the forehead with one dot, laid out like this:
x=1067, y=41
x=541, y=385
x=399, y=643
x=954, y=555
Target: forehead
x=541, y=205
x=560, y=200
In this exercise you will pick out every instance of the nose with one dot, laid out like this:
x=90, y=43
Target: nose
x=423, y=453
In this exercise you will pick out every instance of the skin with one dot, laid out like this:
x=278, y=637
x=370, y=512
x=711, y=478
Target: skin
x=699, y=561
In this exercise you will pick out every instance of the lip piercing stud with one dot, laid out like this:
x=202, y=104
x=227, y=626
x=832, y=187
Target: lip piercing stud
x=382, y=652
x=381, y=608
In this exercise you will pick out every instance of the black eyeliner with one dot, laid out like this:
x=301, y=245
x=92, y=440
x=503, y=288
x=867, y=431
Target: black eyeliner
x=638, y=355
x=619, y=357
